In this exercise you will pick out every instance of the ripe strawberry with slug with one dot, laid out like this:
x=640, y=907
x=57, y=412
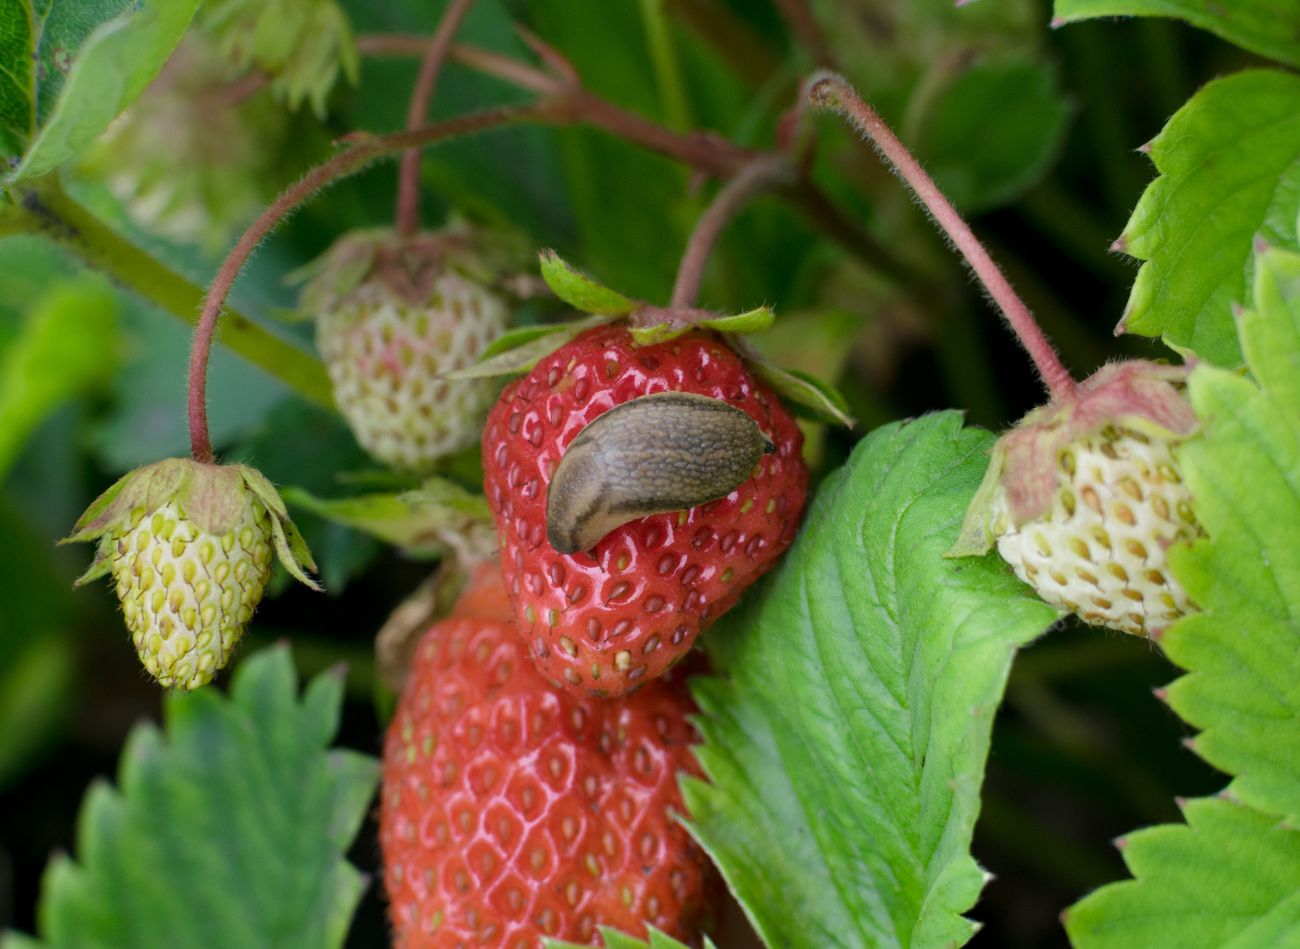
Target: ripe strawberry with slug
x=1083, y=497
x=511, y=812
x=643, y=474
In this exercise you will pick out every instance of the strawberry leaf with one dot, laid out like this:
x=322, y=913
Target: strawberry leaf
x=1227, y=877
x=1229, y=163
x=856, y=718
x=1251, y=24
x=580, y=291
x=76, y=65
x=613, y=939
x=228, y=827
x=1234, y=870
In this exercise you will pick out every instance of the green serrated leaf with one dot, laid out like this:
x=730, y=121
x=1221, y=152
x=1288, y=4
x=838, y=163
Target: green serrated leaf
x=93, y=58
x=227, y=829
x=1256, y=25
x=1229, y=163
x=1240, y=652
x=580, y=291
x=1233, y=872
x=1202, y=885
x=428, y=520
x=1270, y=334
x=66, y=345
x=846, y=749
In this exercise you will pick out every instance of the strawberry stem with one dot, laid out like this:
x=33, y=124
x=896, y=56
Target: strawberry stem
x=408, y=182
x=763, y=172
x=340, y=166
x=829, y=91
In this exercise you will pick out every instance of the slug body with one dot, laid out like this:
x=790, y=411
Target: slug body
x=664, y=452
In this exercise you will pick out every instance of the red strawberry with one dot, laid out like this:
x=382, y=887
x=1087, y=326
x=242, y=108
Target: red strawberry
x=511, y=812
x=607, y=620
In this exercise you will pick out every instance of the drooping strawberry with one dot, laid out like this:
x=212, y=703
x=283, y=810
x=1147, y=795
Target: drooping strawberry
x=393, y=314
x=608, y=619
x=190, y=547
x=512, y=812
x=1083, y=497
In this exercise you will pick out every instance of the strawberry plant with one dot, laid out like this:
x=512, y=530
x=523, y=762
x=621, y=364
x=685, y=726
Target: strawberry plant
x=684, y=555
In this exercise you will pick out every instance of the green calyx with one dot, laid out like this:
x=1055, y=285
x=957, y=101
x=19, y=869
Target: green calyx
x=217, y=498
x=519, y=350
x=405, y=267
x=1135, y=396
x=303, y=45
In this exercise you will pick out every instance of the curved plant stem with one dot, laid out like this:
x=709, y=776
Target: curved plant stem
x=408, y=181
x=340, y=166
x=43, y=208
x=704, y=151
x=830, y=91
x=753, y=178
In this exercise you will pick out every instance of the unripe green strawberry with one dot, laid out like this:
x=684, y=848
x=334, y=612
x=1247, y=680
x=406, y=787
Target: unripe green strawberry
x=393, y=314
x=1084, y=497
x=190, y=547
x=302, y=45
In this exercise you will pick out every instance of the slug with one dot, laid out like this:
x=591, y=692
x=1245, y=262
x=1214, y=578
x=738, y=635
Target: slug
x=663, y=452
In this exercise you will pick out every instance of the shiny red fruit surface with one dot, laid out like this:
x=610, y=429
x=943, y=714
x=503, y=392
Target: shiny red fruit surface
x=604, y=621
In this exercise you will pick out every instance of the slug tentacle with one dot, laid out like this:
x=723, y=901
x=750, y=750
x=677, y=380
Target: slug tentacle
x=664, y=452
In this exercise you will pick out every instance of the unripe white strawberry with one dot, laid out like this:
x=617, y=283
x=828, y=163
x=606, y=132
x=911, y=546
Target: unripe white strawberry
x=1084, y=497
x=393, y=314
x=190, y=548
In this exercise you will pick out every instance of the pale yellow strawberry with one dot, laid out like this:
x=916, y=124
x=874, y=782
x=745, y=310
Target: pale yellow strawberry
x=190, y=547
x=393, y=315
x=1084, y=498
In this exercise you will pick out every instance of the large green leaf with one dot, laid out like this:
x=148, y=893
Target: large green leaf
x=1229, y=163
x=229, y=828
x=1237, y=864
x=66, y=345
x=71, y=66
x=1244, y=686
x=847, y=748
x=1257, y=25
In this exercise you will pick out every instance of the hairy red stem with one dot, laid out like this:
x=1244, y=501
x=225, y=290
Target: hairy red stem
x=829, y=91
x=759, y=174
x=408, y=181
x=340, y=166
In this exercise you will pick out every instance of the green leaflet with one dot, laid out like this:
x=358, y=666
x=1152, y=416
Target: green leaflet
x=92, y=58
x=1200, y=884
x=864, y=677
x=1229, y=163
x=227, y=828
x=1256, y=25
x=613, y=939
x=1238, y=861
